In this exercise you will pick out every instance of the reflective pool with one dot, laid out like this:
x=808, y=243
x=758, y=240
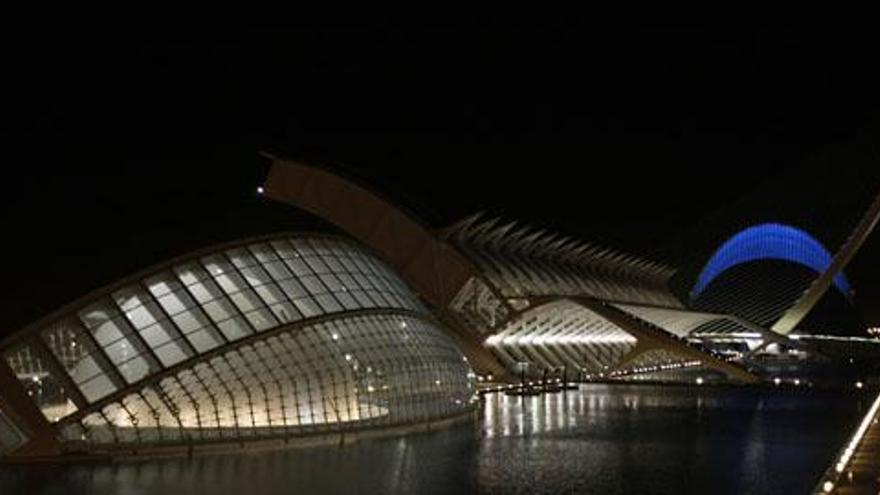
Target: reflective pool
x=620, y=439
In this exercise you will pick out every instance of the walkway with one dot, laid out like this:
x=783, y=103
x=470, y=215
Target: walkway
x=857, y=467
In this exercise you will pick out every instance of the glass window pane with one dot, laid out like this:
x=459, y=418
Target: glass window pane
x=213, y=302
x=116, y=337
x=42, y=385
x=149, y=320
x=83, y=363
x=11, y=436
x=239, y=292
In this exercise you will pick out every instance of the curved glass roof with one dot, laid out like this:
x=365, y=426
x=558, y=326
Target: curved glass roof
x=191, y=308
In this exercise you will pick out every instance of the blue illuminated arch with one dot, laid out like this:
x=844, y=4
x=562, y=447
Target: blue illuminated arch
x=769, y=241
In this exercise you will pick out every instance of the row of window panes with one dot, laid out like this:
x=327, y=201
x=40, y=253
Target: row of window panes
x=200, y=305
x=375, y=369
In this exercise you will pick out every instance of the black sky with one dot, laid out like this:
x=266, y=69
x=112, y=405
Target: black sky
x=131, y=144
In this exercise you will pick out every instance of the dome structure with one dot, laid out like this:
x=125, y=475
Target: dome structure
x=266, y=338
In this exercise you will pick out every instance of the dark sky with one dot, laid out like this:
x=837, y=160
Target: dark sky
x=129, y=145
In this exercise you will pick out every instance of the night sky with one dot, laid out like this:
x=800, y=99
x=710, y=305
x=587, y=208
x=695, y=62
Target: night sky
x=129, y=145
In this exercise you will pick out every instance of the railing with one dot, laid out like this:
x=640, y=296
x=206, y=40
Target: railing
x=833, y=478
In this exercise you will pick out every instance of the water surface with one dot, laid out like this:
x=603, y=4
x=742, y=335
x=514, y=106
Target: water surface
x=605, y=439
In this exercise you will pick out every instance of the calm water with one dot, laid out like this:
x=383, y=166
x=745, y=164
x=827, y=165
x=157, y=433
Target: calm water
x=601, y=439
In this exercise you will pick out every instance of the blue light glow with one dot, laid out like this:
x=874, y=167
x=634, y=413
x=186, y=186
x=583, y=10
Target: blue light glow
x=769, y=241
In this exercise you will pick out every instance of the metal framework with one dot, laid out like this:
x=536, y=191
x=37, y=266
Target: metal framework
x=799, y=310
x=267, y=338
x=522, y=262
x=524, y=295
x=438, y=273
x=604, y=339
x=769, y=241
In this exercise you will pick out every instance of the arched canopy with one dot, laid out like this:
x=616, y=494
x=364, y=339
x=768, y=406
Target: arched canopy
x=769, y=241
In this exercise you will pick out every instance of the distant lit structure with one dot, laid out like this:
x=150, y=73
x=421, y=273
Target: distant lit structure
x=763, y=271
x=765, y=242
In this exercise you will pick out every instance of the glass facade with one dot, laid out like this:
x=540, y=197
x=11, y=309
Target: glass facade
x=364, y=370
x=272, y=338
x=10, y=436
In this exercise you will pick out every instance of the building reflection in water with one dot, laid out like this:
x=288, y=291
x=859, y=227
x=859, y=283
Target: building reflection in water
x=599, y=439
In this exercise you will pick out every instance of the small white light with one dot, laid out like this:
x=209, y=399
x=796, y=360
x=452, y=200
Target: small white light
x=334, y=336
x=859, y=384
x=777, y=380
x=699, y=380
x=260, y=190
x=797, y=381
x=828, y=486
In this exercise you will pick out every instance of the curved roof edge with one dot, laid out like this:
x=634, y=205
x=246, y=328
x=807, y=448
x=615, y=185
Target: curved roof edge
x=98, y=292
x=430, y=266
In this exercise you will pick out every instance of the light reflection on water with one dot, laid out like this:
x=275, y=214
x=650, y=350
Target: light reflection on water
x=601, y=439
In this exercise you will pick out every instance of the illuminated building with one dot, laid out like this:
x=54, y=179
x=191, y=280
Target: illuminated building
x=302, y=335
